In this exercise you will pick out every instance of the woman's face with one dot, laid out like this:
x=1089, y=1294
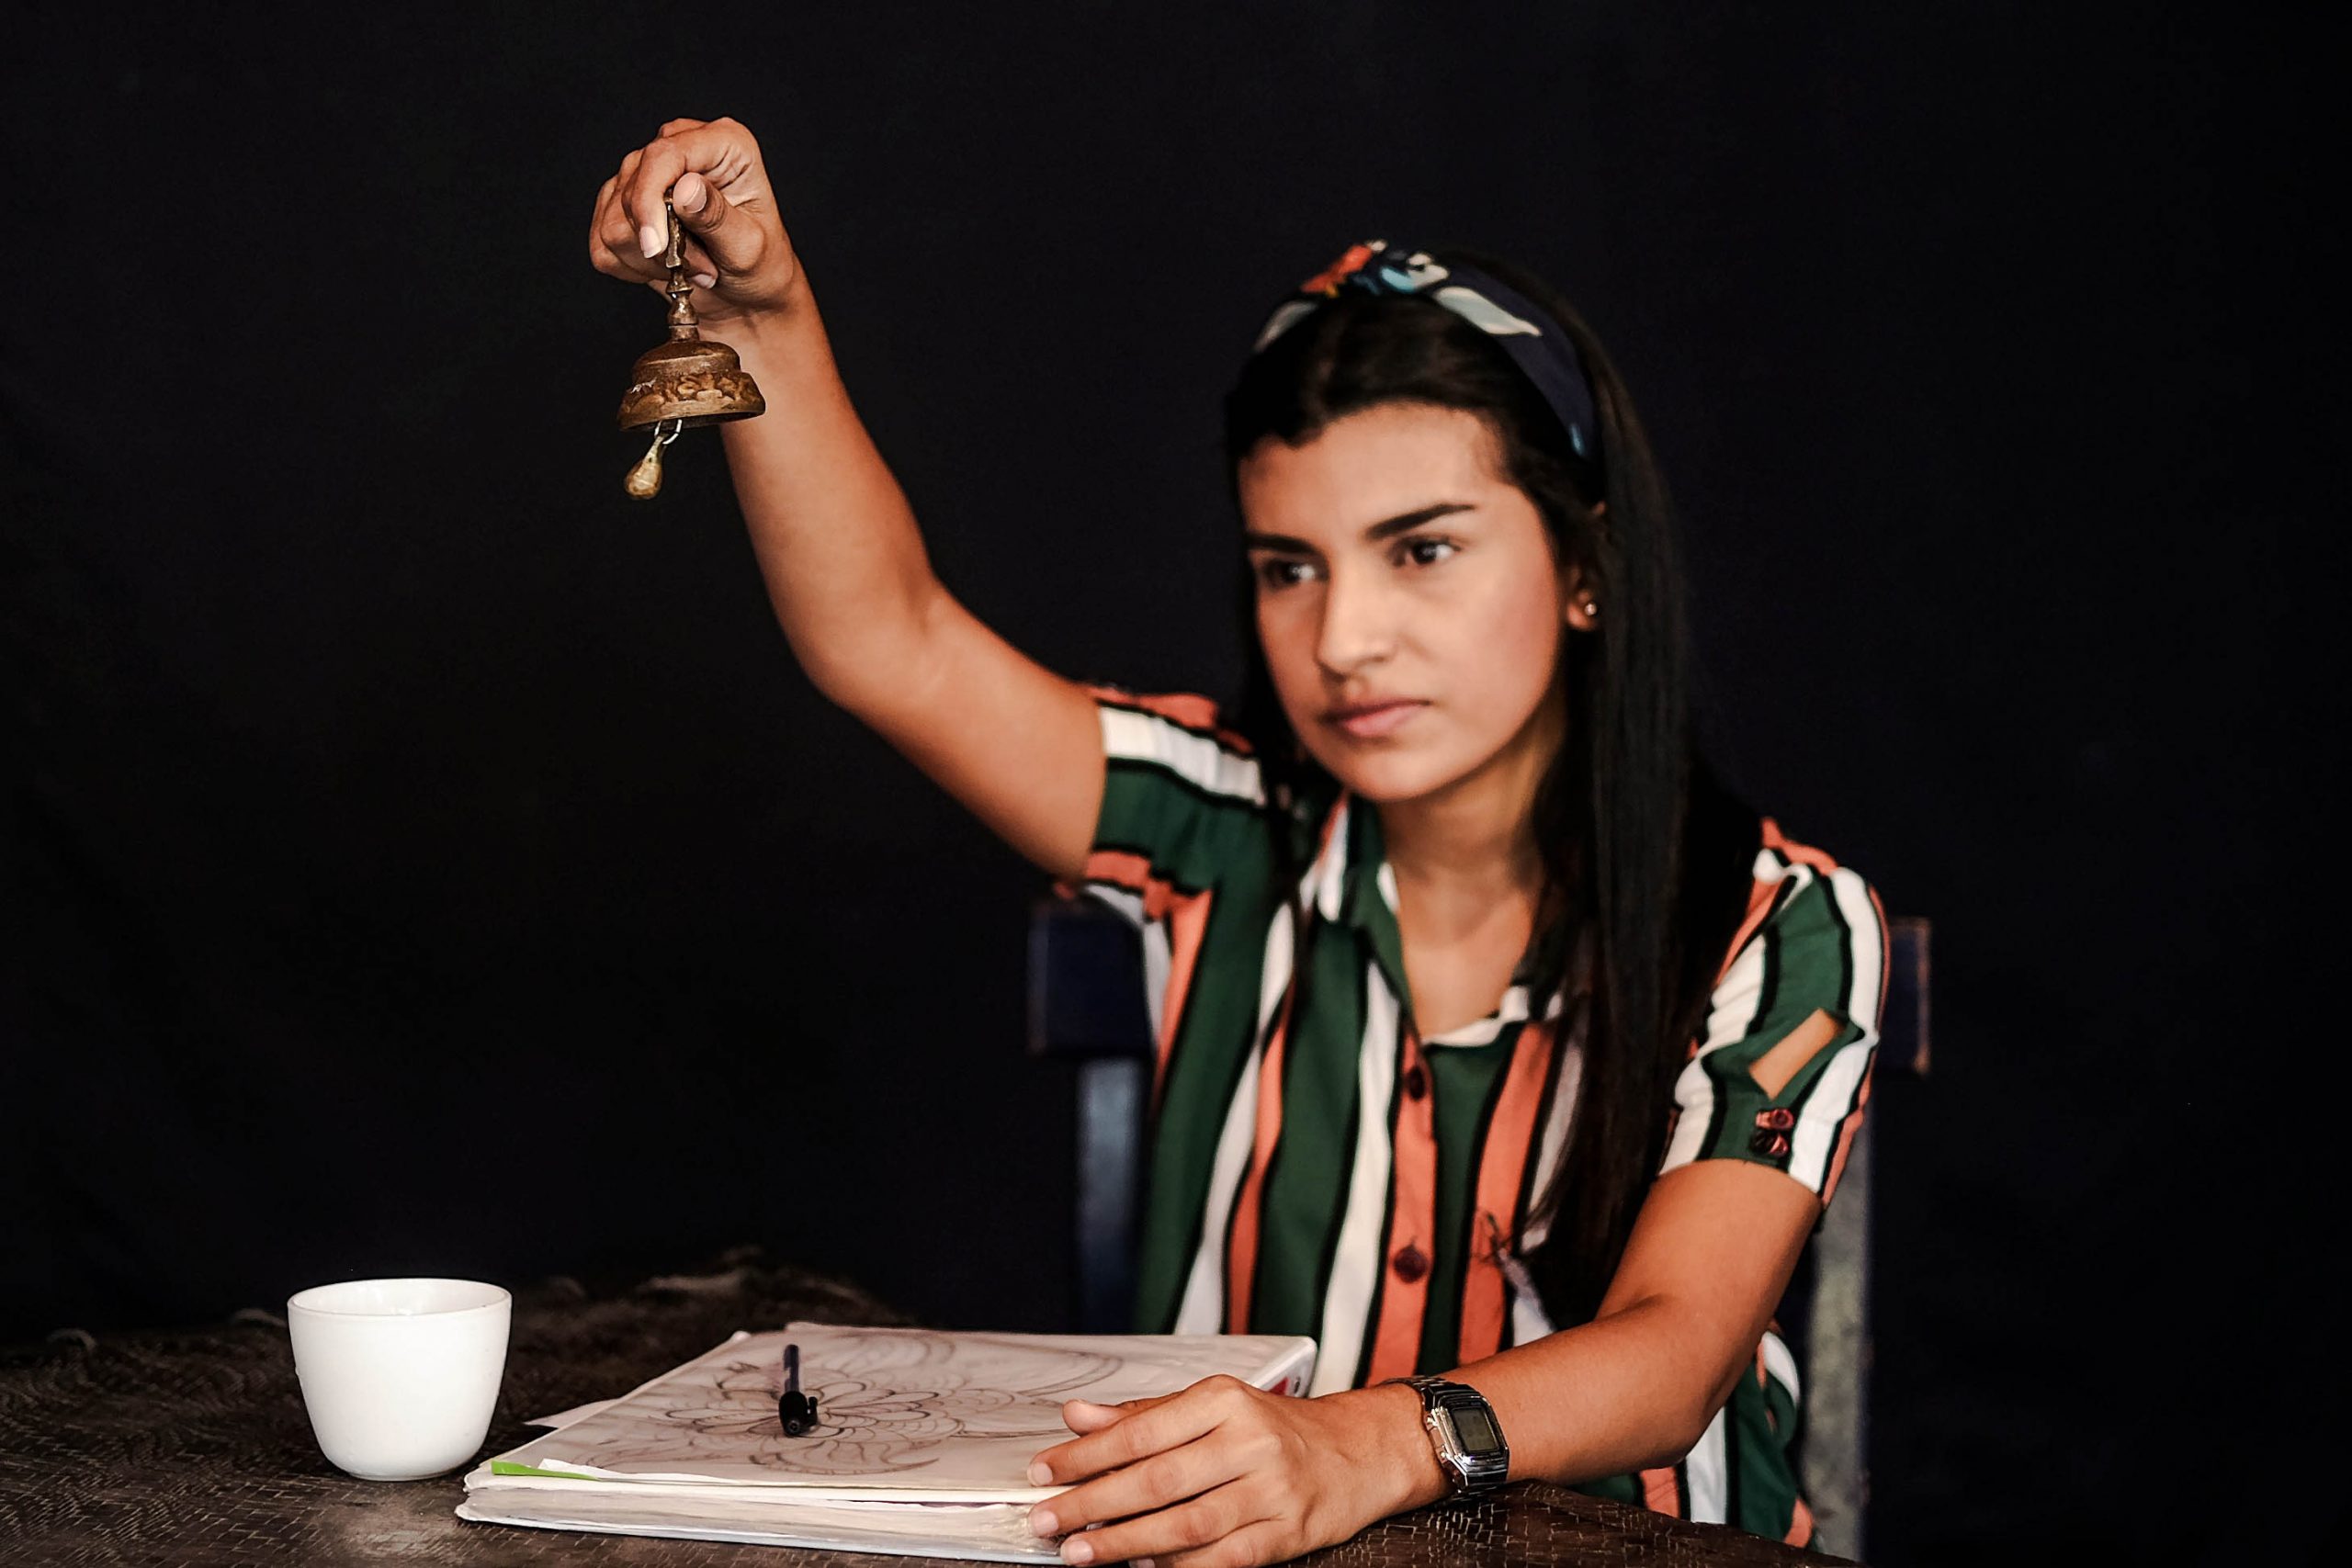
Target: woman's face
x=1408, y=600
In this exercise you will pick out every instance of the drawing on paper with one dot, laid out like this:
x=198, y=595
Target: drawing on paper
x=888, y=1403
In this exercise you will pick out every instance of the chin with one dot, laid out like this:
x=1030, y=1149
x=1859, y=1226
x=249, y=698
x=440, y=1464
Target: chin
x=1386, y=777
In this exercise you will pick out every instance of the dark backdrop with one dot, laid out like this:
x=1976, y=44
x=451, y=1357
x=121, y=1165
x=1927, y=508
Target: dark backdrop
x=422, y=858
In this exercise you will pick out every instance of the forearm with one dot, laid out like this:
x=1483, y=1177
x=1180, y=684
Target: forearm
x=1609, y=1397
x=836, y=541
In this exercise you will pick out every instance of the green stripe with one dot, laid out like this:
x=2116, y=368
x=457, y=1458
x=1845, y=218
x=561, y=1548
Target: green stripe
x=1464, y=1081
x=1212, y=1042
x=1306, y=1182
x=1763, y=1489
x=1189, y=835
x=1812, y=958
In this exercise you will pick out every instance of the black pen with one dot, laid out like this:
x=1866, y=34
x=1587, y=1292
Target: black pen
x=797, y=1410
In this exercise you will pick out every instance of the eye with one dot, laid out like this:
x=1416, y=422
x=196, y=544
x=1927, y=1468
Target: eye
x=1427, y=549
x=1283, y=571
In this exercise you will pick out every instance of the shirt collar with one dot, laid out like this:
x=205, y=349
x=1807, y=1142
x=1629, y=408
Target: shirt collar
x=1350, y=884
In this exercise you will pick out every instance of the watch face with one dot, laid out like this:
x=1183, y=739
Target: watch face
x=1476, y=1431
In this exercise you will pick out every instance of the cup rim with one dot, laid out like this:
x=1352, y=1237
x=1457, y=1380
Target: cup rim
x=297, y=1301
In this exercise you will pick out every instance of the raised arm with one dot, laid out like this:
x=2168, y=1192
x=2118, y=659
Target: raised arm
x=845, y=566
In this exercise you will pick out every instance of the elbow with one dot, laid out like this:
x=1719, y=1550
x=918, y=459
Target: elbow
x=1671, y=1448
x=874, y=665
x=1681, y=1422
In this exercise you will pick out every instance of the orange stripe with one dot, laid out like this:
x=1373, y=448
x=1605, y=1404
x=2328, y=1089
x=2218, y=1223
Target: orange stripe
x=1659, y=1493
x=1396, y=1344
x=1120, y=868
x=1242, y=1260
x=1184, y=707
x=1804, y=855
x=1241, y=1254
x=1188, y=919
x=1504, y=1165
x=1761, y=894
x=1799, y=1525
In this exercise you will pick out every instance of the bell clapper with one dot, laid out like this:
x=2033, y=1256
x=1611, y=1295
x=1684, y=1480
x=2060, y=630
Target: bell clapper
x=644, y=482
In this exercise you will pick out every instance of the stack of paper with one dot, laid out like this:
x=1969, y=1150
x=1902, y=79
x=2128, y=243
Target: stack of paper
x=923, y=1445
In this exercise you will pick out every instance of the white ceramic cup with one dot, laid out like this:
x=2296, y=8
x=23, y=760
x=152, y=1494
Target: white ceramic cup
x=400, y=1375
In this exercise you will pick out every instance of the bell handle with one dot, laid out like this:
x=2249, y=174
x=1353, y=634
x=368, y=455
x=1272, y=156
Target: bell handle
x=682, y=314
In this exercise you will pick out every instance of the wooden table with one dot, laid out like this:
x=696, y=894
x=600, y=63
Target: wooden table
x=193, y=1449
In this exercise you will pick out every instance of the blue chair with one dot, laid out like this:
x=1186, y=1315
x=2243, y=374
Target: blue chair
x=1086, y=1004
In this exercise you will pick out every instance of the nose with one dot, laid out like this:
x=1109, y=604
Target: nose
x=1359, y=624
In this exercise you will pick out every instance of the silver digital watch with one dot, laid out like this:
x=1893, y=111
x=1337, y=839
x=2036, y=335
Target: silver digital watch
x=1463, y=1431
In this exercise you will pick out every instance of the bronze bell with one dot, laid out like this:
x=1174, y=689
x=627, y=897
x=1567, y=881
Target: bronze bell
x=684, y=382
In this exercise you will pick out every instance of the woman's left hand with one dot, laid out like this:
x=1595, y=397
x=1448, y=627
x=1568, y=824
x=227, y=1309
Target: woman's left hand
x=1224, y=1475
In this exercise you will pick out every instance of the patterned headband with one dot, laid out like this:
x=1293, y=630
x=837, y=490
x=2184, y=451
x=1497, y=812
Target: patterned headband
x=1520, y=327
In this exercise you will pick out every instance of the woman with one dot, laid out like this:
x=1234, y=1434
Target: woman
x=1450, y=887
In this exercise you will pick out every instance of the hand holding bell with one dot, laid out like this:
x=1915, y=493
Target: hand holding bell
x=694, y=206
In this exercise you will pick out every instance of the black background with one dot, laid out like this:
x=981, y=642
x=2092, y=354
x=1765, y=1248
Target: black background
x=420, y=858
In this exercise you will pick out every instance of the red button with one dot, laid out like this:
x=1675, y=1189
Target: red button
x=1411, y=1263
x=1777, y=1121
x=1770, y=1144
x=1416, y=1082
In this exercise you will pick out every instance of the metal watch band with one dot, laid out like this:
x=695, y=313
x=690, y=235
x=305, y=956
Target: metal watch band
x=1463, y=1432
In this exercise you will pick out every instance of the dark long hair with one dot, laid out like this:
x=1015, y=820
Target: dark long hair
x=1640, y=846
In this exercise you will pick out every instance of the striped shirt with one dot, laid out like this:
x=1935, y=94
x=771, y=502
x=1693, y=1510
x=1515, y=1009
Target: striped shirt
x=1317, y=1167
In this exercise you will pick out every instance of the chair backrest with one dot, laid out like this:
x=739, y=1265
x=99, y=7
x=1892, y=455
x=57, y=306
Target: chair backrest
x=1827, y=1311
x=1086, y=1003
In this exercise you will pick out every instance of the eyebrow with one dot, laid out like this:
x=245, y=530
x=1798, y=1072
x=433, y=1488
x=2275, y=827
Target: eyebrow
x=1386, y=528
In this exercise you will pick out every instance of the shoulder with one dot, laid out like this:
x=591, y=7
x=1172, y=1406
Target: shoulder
x=1813, y=926
x=1182, y=735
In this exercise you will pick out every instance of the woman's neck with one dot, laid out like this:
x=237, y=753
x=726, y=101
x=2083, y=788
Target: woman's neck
x=1472, y=845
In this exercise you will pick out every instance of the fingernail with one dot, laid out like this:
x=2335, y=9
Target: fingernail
x=1077, y=1548
x=688, y=198
x=651, y=241
x=1039, y=1475
x=706, y=280
x=1042, y=1522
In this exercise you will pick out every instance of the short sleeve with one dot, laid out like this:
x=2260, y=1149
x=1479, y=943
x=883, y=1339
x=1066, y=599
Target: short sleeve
x=1779, y=1072
x=1181, y=800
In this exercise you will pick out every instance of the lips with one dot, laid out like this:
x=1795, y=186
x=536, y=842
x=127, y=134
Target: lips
x=1370, y=721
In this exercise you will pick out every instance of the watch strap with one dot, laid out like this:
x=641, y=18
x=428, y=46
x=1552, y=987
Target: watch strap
x=1472, y=1466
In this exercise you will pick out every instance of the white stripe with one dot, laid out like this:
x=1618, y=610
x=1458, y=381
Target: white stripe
x=1126, y=900
x=1781, y=1367
x=1731, y=1017
x=1731, y=1013
x=1511, y=1010
x=1870, y=956
x=1558, y=1121
x=1158, y=960
x=1482, y=312
x=1814, y=1142
x=1355, y=1265
x=1199, y=760
x=1326, y=879
x=1708, y=1470
x=1203, y=1310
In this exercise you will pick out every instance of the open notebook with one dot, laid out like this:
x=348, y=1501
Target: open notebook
x=923, y=1445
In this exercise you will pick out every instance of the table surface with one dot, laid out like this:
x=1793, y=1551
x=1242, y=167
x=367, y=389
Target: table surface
x=193, y=1449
